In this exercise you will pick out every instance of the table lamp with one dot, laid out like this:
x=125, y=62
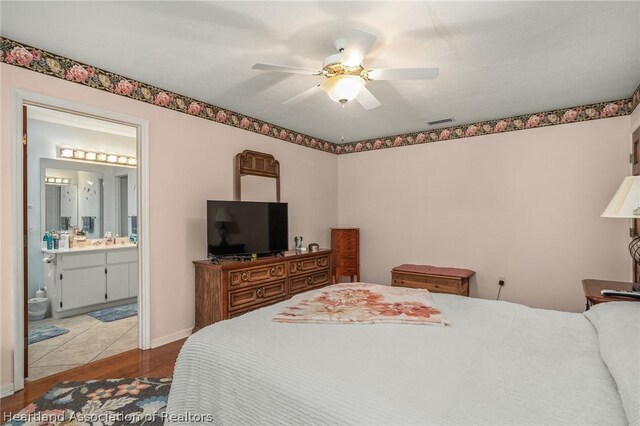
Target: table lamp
x=625, y=204
x=222, y=217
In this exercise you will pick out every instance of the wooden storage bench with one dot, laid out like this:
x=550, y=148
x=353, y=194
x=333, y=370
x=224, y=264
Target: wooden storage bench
x=432, y=278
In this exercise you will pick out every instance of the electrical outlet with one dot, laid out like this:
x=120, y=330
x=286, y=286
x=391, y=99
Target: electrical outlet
x=501, y=281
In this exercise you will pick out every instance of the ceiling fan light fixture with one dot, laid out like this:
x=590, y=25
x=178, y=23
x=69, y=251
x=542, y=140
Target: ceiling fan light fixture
x=343, y=88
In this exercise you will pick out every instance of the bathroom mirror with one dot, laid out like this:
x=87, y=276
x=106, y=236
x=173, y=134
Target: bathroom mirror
x=92, y=198
x=257, y=177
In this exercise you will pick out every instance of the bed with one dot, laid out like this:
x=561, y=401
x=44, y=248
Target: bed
x=494, y=363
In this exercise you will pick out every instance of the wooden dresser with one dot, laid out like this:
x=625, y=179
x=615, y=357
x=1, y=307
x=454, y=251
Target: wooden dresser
x=345, y=243
x=233, y=288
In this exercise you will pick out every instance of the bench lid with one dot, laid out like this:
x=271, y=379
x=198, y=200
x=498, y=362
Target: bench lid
x=434, y=270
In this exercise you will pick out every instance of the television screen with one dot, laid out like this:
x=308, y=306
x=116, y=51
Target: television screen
x=246, y=227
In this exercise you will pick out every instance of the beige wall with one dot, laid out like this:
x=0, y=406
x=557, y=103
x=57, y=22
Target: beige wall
x=522, y=205
x=635, y=119
x=191, y=160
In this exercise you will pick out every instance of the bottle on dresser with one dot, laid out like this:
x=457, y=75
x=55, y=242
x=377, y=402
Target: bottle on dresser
x=64, y=240
x=47, y=241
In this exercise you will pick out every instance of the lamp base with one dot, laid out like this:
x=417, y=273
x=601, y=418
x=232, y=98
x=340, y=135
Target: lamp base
x=636, y=287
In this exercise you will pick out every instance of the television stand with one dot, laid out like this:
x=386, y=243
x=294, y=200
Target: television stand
x=230, y=288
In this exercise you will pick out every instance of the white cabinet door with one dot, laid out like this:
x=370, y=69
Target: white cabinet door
x=133, y=279
x=117, y=281
x=82, y=287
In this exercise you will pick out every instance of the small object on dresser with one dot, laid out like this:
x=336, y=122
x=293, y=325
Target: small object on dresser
x=621, y=293
x=314, y=248
x=64, y=240
x=48, y=242
x=593, y=291
x=297, y=240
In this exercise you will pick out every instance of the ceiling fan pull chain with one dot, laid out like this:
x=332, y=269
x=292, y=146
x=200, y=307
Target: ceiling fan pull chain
x=342, y=124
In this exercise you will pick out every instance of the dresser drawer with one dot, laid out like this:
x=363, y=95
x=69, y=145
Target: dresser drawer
x=347, y=245
x=307, y=282
x=308, y=265
x=435, y=284
x=240, y=299
x=122, y=256
x=82, y=260
x=433, y=288
x=254, y=306
x=250, y=276
x=347, y=260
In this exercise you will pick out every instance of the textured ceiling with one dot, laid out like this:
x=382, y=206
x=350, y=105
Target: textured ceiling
x=496, y=59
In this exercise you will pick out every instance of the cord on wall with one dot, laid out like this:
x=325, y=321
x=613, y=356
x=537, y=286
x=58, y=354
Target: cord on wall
x=500, y=284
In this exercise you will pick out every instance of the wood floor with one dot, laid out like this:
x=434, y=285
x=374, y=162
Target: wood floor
x=157, y=362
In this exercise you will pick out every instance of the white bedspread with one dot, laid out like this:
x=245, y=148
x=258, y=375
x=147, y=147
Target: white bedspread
x=497, y=363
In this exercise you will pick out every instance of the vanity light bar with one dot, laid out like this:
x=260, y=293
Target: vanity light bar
x=56, y=180
x=98, y=157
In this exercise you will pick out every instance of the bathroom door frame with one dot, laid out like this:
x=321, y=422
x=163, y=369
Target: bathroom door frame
x=21, y=98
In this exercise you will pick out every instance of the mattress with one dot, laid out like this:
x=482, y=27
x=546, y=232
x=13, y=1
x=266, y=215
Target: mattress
x=495, y=363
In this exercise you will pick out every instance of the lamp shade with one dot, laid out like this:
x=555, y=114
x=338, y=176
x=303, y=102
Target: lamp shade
x=343, y=88
x=626, y=202
x=223, y=215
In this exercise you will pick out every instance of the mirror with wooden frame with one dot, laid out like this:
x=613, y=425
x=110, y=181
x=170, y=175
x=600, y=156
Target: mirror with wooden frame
x=254, y=167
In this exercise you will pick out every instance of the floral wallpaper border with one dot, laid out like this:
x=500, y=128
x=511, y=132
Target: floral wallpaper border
x=21, y=55
x=528, y=121
x=635, y=99
x=24, y=56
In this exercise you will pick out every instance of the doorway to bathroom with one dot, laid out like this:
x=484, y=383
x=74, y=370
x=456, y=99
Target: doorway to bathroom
x=82, y=264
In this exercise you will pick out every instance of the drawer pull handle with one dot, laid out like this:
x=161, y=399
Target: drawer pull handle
x=273, y=271
x=244, y=276
x=300, y=266
x=259, y=292
x=309, y=280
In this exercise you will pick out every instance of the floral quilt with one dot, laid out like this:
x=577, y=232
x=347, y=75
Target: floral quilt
x=363, y=303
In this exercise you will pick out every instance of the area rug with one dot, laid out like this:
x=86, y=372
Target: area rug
x=99, y=402
x=116, y=313
x=38, y=333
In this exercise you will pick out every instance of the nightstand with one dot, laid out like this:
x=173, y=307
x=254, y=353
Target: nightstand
x=592, y=291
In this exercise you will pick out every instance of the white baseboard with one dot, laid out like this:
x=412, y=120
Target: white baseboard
x=6, y=390
x=171, y=337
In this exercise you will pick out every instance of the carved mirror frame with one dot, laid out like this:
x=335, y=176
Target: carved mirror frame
x=253, y=163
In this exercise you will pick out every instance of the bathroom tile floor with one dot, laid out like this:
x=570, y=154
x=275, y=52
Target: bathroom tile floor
x=87, y=340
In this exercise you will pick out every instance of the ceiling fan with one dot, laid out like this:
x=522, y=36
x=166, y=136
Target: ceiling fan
x=345, y=75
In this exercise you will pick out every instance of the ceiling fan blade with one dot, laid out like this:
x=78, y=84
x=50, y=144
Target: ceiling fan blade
x=367, y=100
x=358, y=44
x=403, y=73
x=304, y=95
x=286, y=68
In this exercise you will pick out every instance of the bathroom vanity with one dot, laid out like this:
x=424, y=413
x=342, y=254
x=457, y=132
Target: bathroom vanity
x=85, y=279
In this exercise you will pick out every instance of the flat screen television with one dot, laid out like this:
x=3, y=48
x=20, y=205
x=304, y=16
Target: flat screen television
x=246, y=227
